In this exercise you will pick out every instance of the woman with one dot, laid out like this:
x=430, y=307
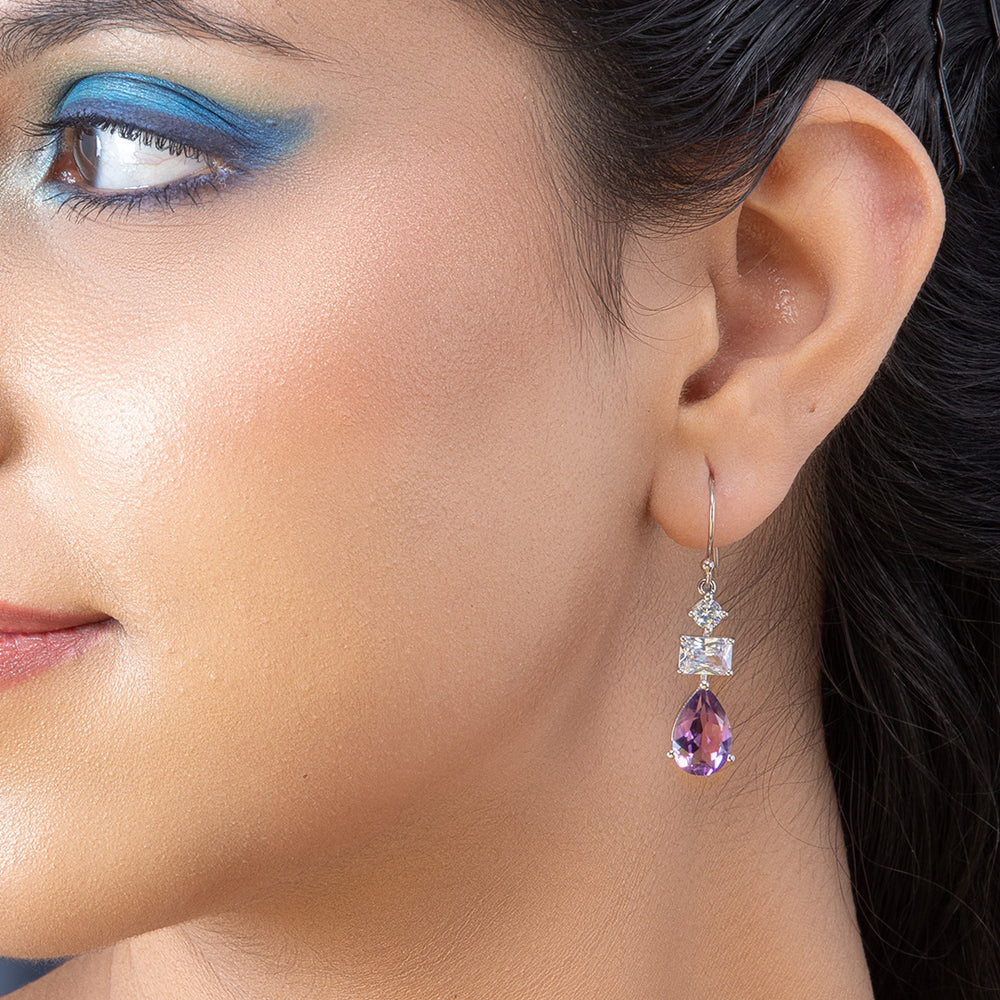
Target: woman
x=370, y=375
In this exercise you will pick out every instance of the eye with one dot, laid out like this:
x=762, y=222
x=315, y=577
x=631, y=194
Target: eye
x=121, y=142
x=112, y=159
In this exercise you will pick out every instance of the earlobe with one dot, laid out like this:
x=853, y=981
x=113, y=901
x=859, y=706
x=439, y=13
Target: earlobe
x=813, y=276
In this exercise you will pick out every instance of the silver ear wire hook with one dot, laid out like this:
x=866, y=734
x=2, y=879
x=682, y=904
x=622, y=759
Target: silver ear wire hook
x=713, y=552
x=711, y=562
x=995, y=15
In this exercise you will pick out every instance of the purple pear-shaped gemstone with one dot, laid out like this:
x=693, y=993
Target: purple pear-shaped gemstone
x=702, y=735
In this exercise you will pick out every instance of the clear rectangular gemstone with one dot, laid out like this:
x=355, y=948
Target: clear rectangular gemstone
x=706, y=654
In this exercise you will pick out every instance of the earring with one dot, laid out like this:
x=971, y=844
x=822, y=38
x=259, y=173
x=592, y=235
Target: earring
x=702, y=736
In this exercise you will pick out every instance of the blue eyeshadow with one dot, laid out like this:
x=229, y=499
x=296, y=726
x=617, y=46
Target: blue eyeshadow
x=184, y=116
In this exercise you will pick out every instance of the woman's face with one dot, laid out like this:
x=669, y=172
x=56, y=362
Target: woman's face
x=301, y=403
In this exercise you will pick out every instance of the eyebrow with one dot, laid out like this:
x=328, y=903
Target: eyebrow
x=38, y=26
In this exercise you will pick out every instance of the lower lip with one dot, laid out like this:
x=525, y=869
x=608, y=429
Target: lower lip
x=25, y=655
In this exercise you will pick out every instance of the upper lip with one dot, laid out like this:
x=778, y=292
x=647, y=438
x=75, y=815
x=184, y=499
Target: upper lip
x=27, y=621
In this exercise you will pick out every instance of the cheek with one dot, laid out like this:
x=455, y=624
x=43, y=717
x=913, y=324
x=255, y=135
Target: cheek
x=389, y=417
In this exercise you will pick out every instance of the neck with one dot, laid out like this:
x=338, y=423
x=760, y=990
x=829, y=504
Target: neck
x=577, y=862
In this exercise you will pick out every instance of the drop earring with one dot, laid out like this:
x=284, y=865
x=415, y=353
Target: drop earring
x=702, y=736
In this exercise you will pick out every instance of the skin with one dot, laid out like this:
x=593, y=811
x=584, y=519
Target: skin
x=399, y=544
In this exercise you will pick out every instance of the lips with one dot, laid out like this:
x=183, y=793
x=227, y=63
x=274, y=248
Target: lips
x=32, y=641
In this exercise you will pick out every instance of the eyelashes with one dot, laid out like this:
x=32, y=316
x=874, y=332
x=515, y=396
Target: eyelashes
x=121, y=142
x=100, y=167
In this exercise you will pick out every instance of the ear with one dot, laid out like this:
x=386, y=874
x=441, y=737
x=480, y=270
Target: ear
x=812, y=277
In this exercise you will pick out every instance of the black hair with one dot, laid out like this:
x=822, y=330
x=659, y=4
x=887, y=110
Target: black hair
x=674, y=108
